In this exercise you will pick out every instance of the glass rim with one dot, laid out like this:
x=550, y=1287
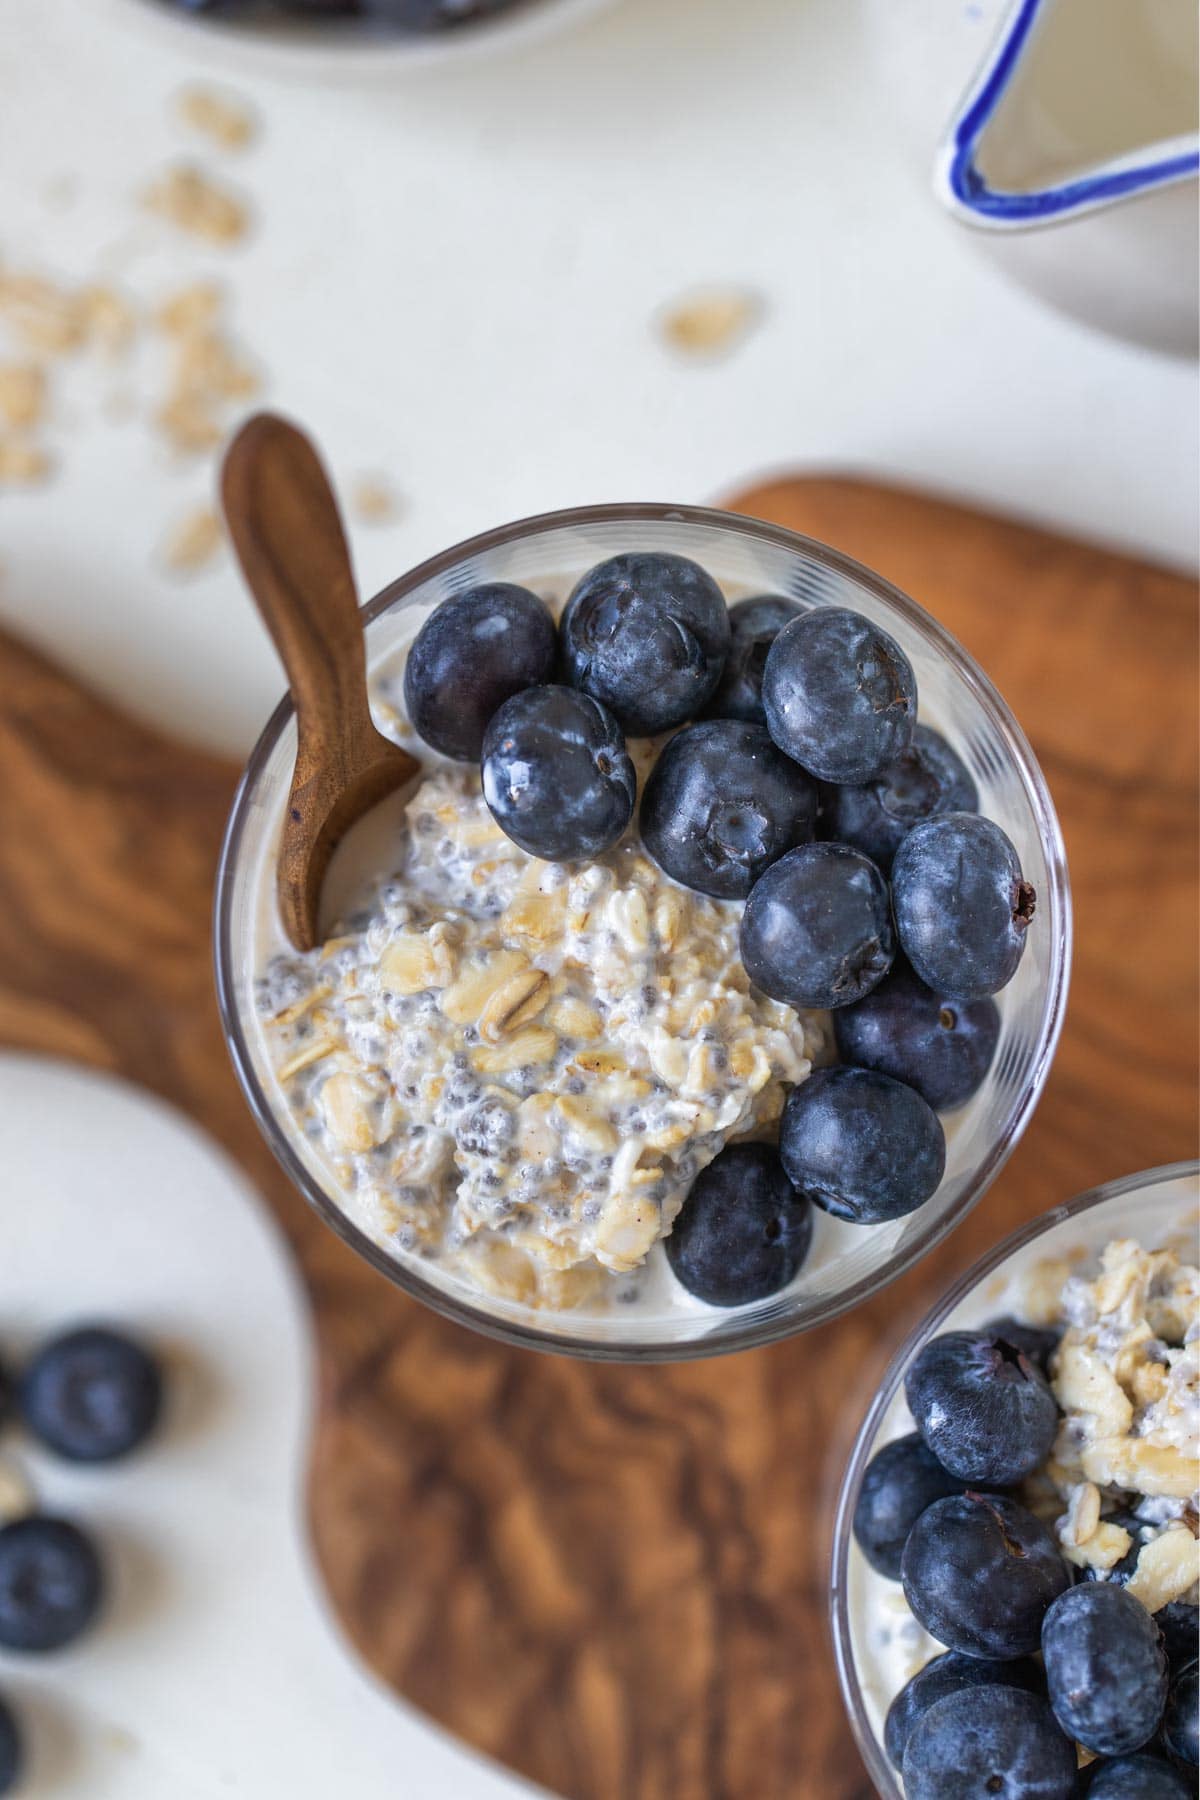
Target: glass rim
x=1057, y=904
x=878, y=1767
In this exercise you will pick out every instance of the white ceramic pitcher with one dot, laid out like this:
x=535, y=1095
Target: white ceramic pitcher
x=1074, y=150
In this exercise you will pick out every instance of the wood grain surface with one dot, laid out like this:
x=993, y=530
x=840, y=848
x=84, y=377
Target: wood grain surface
x=615, y=1579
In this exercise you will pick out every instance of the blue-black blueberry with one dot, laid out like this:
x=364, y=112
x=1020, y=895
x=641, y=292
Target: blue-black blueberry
x=11, y=1757
x=926, y=779
x=556, y=775
x=647, y=636
x=1180, y=1727
x=979, y=1572
x=92, y=1394
x=51, y=1583
x=743, y=1231
x=839, y=694
x=722, y=804
x=984, y=1409
x=817, y=927
x=754, y=625
x=1142, y=1776
x=475, y=651
x=899, y=1482
x=1106, y=1669
x=990, y=1743
x=962, y=905
x=861, y=1146
x=1037, y=1342
x=950, y=1673
x=940, y=1046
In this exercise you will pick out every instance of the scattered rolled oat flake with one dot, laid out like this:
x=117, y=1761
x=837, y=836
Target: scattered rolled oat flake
x=194, y=202
x=23, y=464
x=225, y=120
x=193, y=308
x=47, y=317
x=194, y=542
x=109, y=319
x=374, y=500
x=711, y=322
x=22, y=394
x=17, y=1497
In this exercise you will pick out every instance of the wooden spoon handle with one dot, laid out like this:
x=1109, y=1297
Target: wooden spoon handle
x=285, y=526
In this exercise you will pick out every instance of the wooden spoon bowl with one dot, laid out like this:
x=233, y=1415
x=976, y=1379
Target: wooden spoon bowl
x=284, y=523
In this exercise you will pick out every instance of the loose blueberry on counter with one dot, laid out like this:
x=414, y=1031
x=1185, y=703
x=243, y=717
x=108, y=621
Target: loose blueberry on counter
x=430, y=15
x=647, y=636
x=1140, y=1777
x=925, y=780
x=743, y=1231
x=722, y=804
x=92, y=1395
x=556, y=775
x=861, y=1146
x=979, y=1572
x=754, y=625
x=817, y=927
x=900, y=1481
x=1106, y=1669
x=10, y=1750
x=1037, y=1342
x=475, y=651
x=1180, y=1727
x=51, y=1583
x=942, y=1047
x=962, y=905
x=990, y=1743
x=983, y=1408
x=839, y=694
x=950, y=1674
x=1179, y=1622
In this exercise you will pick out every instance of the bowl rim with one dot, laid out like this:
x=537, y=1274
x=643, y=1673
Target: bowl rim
x=306, y=51
x=878, y=1766
x=962, y=188
x=1056, y=903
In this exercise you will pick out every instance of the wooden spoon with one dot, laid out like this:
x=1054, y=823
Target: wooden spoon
x=283, y=519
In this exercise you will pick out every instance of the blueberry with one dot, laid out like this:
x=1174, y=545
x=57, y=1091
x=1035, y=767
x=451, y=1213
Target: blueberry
x=1180, y=1728
x=1140, y=1777
x=984, y=1409
x=647, y=636
x=817, y=928
x=1179, y=1622
x=431, y=15
x=754, y=625
x=743, y=1231
x=926, y=779
x=1106, y=1669
x=950, y=1674
x=51, y=1583
x=1037, y=1342
x=900, y=1481
x=840, y=695
x=941, y=1047
x=92, y=1395
x=962, y=905
x=722, y=804
x=989, y=1743
x=979, y=1572
x=474, y=652
x=861, y=1146
x=556, y=774
x=10, y=1750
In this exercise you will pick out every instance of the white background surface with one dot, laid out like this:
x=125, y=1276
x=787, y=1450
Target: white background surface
x=454, y=279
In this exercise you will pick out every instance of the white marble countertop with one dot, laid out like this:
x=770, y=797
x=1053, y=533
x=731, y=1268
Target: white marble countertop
x=453, y=279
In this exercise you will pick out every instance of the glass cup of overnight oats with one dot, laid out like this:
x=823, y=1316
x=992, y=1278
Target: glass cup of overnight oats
x=589, y=1025
x=1102, y=1296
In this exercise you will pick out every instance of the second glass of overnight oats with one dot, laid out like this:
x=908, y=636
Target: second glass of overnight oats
x=1016, y=1564
x=562, y=1026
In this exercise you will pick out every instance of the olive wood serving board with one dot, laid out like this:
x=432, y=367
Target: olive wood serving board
x=614, y=1579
